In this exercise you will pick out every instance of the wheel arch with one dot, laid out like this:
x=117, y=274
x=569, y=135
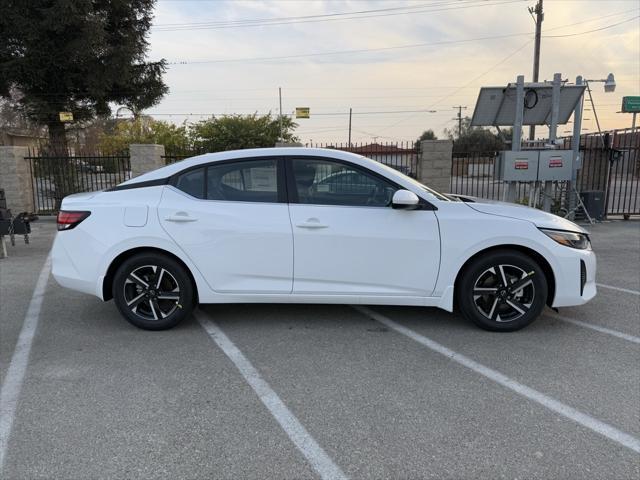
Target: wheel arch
x=539, y=259
x=107, y=283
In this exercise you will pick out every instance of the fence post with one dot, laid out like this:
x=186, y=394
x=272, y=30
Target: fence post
x=15, y=179
x=434, y=164
x=145, y=158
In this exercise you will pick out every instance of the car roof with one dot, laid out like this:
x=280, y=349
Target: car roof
x=253, y=153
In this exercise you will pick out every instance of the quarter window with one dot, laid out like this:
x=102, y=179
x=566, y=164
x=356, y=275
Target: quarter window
x=324, y=182
x=192, y=183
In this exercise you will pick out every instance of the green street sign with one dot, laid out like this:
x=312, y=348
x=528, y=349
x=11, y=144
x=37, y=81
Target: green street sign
x=630, y=104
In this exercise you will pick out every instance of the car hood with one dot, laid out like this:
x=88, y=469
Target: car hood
x=538, y=217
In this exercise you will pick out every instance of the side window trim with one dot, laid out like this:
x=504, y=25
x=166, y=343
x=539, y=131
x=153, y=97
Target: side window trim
x=293, y=191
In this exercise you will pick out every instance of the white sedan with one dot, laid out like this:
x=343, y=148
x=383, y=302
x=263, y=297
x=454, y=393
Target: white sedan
x=298, y=225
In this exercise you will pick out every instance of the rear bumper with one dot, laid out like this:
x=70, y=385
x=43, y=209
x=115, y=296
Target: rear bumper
x=64, y=270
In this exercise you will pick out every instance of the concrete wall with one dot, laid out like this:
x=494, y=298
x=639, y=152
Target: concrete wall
x=15, y=179
x=434, y=164
x=145, y=158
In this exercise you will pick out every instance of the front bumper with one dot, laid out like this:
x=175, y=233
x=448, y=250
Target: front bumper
x=570, y=288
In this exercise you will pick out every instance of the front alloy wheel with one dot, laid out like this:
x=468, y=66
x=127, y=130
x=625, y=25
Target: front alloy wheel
x=503, y=291
x=153, y=292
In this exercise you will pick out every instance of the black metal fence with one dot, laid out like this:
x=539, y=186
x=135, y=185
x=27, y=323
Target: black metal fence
x=177, y=155
x=610, y=163
x=54, y=177
x=402, y=156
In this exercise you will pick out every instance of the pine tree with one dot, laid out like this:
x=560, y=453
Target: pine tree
x=77, y=56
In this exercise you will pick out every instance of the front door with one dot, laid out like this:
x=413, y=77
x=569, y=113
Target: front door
x=349, y=240
x=232, y=220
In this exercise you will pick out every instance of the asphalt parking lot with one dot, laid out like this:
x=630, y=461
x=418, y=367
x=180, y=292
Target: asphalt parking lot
x=295, y=391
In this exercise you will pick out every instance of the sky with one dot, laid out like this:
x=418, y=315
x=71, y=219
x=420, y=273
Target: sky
x=402, y=66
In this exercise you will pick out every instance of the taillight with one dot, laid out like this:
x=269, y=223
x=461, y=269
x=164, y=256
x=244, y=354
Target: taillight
x=70, y=219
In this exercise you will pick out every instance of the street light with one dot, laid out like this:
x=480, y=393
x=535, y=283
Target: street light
x=609, y=86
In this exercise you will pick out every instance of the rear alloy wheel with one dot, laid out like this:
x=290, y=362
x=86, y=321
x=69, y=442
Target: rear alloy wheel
x=504, y=291
x=153, y=292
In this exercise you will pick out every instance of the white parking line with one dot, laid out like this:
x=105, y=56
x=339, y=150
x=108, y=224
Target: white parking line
x=597, y=328
x=583, y=419
x=13, y=380
x=313, y=452
x=619, y=289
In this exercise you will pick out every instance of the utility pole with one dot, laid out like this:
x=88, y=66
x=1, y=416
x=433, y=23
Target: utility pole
x=459, y=118
x=536, y=52
x=280, y=97
x=350, y=110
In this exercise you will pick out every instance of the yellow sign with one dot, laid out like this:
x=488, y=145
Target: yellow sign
x=66, y=117
x=302, y=112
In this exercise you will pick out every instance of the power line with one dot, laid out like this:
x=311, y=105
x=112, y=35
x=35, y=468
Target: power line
x=348, y=52
x=255, y=20
x=592, y=19
x=396, y=47
x=493, y=67
x=319, y=114
x=594, y=30
x=292, y=20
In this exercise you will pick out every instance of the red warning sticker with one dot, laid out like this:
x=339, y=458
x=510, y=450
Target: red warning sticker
x=522, y=165
x=555, y=162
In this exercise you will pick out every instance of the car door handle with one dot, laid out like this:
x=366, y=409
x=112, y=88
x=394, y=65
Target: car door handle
x=180, y=217
x=311, y=223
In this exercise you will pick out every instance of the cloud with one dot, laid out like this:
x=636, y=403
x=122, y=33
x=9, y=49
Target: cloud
x=432, y=77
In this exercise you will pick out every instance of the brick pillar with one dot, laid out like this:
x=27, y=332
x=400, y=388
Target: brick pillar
x=15, y=179
x=145, y=158
x=434, y=164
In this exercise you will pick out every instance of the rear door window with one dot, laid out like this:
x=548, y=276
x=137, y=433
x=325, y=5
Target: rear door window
x=243, y=181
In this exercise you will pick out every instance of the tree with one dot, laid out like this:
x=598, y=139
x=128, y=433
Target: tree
x=144, y=129
x=77, y=56
x=427, y=135
x=232, y=132
x=476, y=139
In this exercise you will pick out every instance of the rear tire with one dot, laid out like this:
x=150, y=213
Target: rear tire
x=153, y=291
x=485, y=299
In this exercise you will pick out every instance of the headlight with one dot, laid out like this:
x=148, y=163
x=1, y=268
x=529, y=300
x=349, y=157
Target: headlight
x=569, y=239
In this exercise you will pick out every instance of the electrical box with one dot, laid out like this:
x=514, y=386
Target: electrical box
x=519, y=166
x=554, y=165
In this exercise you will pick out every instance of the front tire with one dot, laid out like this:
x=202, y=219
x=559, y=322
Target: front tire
x=502, y=291
x=153, y=291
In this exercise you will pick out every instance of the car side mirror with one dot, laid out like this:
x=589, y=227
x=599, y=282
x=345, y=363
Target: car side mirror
x=405, y=200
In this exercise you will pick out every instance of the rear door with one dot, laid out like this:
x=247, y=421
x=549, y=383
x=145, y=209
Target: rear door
x=232, y=220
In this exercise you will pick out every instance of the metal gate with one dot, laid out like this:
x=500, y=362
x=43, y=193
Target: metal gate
x=54, y=177
x=623, y=182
